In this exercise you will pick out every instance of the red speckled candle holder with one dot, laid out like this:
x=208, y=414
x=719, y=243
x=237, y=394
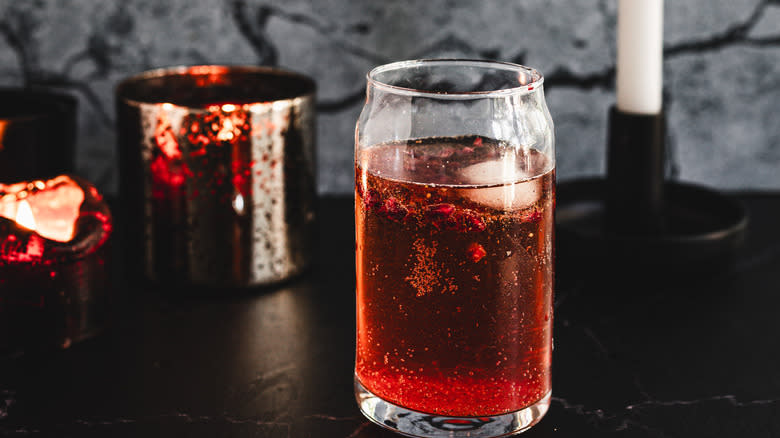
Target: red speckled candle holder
x=218, y=182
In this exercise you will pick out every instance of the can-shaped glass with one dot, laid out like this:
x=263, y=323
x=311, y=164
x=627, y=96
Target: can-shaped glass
x=454, y=200
x=218, y=175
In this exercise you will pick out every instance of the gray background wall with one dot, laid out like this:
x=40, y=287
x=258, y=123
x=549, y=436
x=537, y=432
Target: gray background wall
x=722, y=67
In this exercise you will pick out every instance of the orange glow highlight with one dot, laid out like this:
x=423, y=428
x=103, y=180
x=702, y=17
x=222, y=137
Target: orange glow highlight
x=3, y=125
x=226, y=133
x=163, y=136
x=24, y=215
x=52, y=212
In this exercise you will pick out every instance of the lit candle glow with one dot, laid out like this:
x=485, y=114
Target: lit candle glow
x=24, y=215
x=50, y=208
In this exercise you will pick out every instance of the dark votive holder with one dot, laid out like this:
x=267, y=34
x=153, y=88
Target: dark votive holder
x=37, y=133
x=55, y=285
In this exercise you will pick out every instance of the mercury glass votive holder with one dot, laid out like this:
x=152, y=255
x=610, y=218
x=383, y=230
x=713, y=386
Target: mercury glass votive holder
x=217, y=175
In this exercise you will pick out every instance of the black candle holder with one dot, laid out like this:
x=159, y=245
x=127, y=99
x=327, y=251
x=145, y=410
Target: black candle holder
x=635, y=220
x=37, y=133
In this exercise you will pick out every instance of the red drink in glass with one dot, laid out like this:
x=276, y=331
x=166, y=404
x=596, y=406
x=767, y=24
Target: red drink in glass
x=454, y=275
x=454, y=165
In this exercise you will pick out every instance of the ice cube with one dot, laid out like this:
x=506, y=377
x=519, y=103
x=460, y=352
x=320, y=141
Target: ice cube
x=510, y=188
x=507, y=197
x=492, y=172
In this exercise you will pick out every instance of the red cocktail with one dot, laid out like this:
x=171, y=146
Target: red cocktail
x=454, y=280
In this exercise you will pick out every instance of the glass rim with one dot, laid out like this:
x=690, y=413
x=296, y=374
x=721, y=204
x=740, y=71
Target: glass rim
x=536, y=83
x=127, y=95
x=34, y=104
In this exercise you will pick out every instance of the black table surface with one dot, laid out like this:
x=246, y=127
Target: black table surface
x=667, y=356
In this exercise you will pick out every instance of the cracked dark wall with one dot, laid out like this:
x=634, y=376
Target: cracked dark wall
x=722, y=67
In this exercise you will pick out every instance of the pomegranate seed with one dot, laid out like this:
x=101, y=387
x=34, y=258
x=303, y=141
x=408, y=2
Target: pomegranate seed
x=446, y=217
x=440, y=216
x=478, y=141
x=533, y=217
x=394, y=210
x=441, y=210
x=371, y=199
x=470, y=221
x=476, y=252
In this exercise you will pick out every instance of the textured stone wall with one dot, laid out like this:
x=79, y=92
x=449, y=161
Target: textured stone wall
x=722, y=67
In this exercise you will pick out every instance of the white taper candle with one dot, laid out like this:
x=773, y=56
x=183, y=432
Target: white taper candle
x=639, y=56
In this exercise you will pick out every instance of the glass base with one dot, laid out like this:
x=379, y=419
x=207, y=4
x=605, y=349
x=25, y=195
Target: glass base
x=417, y=424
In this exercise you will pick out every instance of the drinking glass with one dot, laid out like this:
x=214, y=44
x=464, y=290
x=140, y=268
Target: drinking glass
x=454, y=200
